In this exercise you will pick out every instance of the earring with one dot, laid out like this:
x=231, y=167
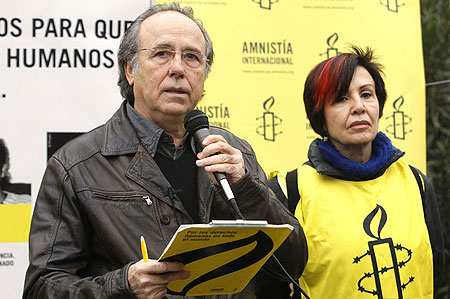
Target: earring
x=325, y=137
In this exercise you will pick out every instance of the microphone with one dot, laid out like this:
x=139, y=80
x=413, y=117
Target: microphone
x=197, y=124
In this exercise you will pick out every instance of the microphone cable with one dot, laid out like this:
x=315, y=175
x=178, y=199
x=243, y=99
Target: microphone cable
x=275, y=259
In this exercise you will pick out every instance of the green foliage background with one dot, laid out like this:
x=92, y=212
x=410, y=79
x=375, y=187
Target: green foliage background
x=436, y=49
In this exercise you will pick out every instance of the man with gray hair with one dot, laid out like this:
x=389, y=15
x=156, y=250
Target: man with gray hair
x=139, y=175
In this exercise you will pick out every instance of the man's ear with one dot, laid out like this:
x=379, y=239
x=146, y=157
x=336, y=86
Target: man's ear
x=129, y=73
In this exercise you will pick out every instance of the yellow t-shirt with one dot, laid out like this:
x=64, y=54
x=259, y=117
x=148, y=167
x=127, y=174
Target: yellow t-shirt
x=366, y=239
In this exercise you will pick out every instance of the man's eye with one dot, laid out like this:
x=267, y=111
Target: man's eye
x=191, y=56
x=162, y=53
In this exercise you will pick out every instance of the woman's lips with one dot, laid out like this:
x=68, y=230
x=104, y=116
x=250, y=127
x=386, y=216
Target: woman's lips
x=360, y=124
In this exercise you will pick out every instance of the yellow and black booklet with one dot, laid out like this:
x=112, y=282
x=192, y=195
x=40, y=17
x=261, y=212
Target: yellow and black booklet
x=222, y=256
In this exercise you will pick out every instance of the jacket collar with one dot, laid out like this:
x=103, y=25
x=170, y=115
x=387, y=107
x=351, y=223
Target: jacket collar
x=120, y=137
x=317, y=160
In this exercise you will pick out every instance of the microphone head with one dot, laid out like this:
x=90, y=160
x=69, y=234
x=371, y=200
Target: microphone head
x=195, y=120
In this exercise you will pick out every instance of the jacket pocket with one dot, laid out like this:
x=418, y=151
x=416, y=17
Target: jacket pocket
x=129, y=203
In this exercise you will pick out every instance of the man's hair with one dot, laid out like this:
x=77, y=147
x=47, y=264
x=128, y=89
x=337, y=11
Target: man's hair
x=4, y=165
x=331, y=79
x=129, y=44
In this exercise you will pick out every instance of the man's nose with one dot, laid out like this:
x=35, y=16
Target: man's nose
x=176, y=65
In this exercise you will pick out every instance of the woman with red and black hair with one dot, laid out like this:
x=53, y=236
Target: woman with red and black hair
x=371, y=220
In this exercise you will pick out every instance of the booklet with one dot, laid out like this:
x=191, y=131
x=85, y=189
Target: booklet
x=222, y=256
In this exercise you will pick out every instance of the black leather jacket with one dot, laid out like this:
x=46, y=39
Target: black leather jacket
x=102, y=191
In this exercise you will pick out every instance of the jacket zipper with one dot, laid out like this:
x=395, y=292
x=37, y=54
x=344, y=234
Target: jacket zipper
x=145, y=198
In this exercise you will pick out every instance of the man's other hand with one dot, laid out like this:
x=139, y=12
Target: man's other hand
x=149, y=279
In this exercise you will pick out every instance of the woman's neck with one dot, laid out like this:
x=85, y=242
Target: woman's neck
x=359, y=153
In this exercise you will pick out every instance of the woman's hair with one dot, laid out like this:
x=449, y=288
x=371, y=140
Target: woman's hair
x=4, y=165
x=331, y=79
x=129, y=45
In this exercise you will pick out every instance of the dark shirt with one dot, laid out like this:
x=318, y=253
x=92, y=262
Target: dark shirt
x=154, y=138
x=176, y=163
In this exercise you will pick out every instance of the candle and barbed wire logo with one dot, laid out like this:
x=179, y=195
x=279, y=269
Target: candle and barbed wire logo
x=399, y=120
x=269, y=121
x=391, y=5
x=266, y=4
x=331, y=50
x=381, y=265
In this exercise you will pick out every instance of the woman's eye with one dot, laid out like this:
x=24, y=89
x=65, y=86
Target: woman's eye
x=340, y=99
x=366, y=95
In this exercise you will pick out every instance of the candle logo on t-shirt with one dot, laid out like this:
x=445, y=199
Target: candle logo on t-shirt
x=383, y=280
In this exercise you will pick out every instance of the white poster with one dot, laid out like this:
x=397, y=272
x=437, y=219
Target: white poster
x=58, y=74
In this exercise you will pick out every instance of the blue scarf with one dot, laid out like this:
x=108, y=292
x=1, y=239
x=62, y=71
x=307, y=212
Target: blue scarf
x=382, y=150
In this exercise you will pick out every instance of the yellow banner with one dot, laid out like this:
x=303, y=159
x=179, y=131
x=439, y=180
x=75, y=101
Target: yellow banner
x=15, y=222
x=265, y=49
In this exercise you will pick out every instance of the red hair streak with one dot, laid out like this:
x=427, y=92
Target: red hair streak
x=327, y=82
